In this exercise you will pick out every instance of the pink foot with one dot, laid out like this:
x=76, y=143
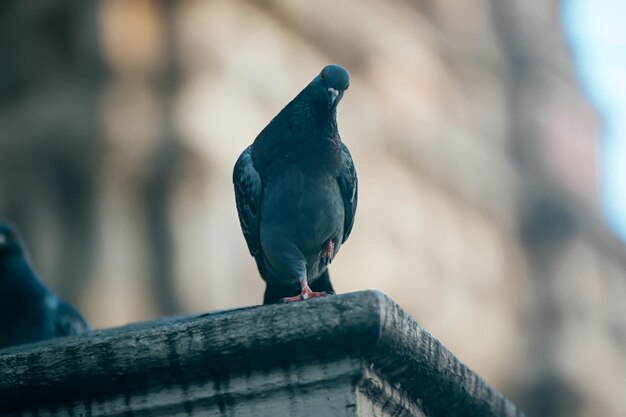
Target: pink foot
x=305, y=294
x=328, y=252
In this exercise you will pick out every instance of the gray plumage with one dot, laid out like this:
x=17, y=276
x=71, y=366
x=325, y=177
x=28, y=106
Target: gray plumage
x=29, y=312
x=296, y=190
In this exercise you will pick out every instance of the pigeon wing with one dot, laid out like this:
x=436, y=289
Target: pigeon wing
x=248, y=189
x=67, y=321
x=348, y=185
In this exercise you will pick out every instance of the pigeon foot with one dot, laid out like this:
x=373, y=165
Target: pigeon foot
x=305, y=293
x=328, y=251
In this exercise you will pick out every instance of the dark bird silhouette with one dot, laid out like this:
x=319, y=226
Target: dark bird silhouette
x=29, y=312
x=296, y=192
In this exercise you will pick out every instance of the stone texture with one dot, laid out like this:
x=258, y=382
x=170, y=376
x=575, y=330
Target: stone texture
x=357, y=354
x=472, y=141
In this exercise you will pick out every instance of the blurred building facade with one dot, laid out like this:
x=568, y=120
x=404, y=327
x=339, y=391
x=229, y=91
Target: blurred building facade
x=120, y=123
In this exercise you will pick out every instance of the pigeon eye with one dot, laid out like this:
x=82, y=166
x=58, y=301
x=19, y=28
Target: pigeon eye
x=322, y=75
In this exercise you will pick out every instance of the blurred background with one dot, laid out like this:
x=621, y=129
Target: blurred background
x=479, y=161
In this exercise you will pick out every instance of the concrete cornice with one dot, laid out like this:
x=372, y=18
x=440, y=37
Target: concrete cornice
x=385, y=355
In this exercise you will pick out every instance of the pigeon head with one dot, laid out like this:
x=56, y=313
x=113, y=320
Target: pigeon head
x=9, y=241
x=331, y=83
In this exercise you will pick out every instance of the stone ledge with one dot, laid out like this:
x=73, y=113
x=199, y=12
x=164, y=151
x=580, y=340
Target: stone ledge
x=353, y=354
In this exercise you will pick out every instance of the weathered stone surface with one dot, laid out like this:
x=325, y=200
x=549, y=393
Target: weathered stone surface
x=356, y=354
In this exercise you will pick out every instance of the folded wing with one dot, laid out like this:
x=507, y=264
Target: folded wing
x=348, y=185
x=248, y=190
x=67, y=321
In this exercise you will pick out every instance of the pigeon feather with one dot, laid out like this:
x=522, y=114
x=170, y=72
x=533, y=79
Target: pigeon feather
x=296, y=191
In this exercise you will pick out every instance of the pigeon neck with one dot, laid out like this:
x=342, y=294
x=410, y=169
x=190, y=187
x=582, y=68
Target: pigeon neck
x=15, y=268
x=303, y=133
x=313, y=120
x=11, y=253
x=315, y=135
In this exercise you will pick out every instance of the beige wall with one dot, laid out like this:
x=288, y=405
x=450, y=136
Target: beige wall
x=462, y=119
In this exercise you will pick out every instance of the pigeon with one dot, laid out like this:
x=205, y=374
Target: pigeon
x=29, y=312
x=296, y=192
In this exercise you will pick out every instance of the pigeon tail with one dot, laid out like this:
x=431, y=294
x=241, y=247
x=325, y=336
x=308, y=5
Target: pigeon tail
x=296, y=187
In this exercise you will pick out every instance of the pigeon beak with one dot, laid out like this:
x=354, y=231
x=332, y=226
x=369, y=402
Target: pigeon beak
x=333, y=96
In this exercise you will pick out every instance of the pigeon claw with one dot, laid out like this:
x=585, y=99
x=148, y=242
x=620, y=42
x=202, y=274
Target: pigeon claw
x=328, y=251
x=305, y=294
